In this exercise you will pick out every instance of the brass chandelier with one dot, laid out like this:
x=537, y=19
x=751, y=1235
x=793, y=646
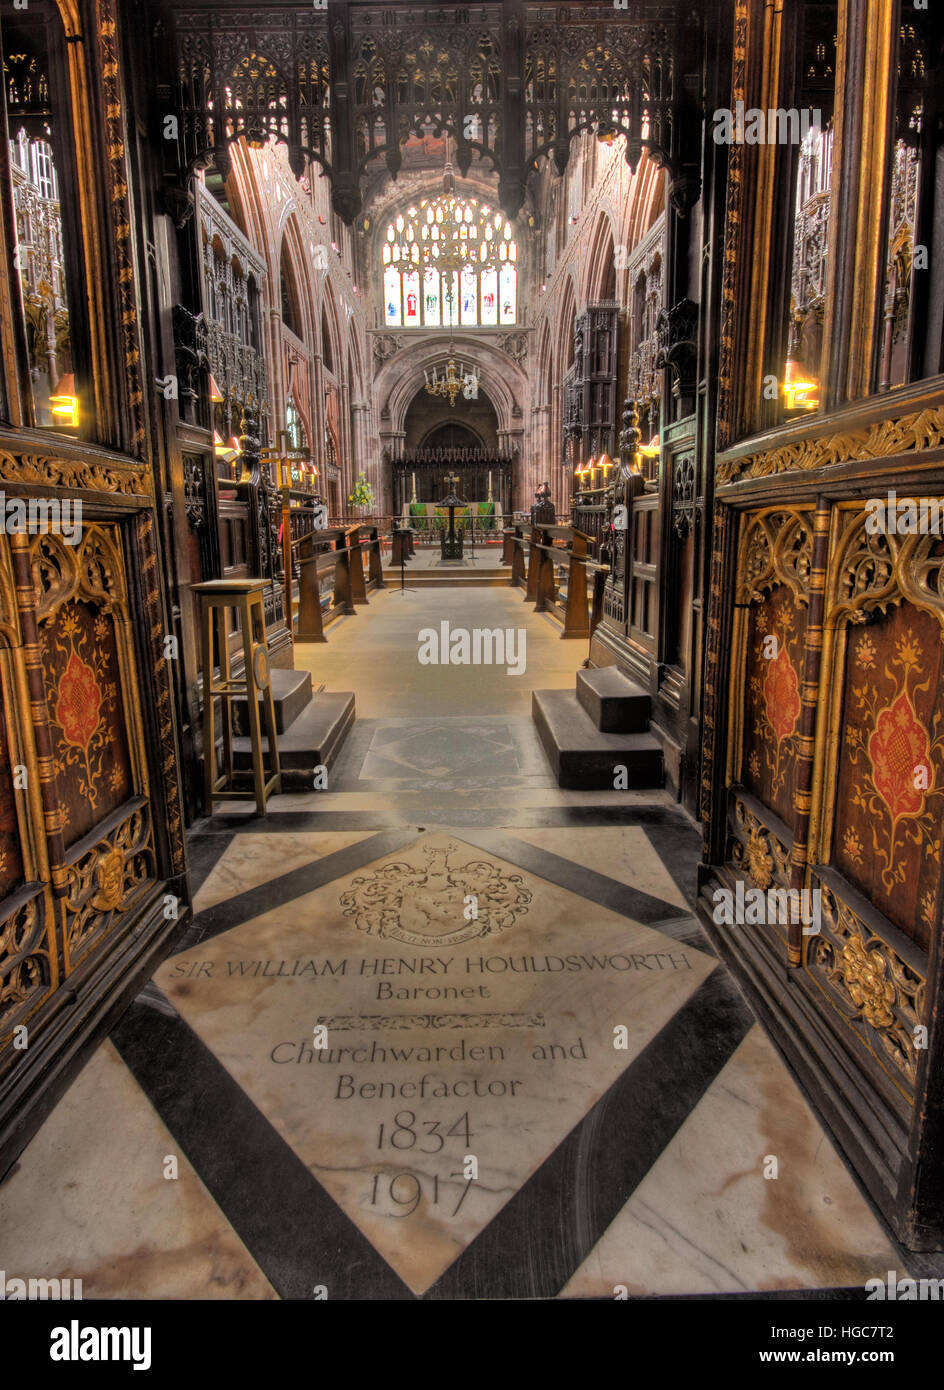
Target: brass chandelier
x=454, y=244
x=453, y=382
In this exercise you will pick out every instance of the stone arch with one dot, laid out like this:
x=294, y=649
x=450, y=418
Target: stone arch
x=293, y=285
x=543, y=380
x=566, y=318
x=504, y=382
x=330, y=338
x=646, y=203
x=600, y=281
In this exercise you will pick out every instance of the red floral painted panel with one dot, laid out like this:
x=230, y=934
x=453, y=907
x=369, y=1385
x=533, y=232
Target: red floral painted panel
x=890, y=793
x=776, y=631
x=11, y=862
x=86, y=711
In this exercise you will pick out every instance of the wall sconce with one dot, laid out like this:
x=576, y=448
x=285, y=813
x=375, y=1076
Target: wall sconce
x=64, y=405
x=799, y=392
x=605, y=464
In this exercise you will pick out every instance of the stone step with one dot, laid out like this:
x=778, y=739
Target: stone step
x=315, y=738
x=291, y=693
x=465, y=579
x=615, y=704
x=581, y=756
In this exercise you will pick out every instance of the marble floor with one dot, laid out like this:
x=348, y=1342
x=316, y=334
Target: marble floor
x=441, y=1032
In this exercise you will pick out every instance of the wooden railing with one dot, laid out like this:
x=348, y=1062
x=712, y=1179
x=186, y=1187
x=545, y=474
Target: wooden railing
x=337, y=551
x=536, y=561
x=478, y=530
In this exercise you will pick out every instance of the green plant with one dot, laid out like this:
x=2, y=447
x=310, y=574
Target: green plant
x=362, y=496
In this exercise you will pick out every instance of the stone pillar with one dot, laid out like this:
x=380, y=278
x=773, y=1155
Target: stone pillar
x=275, y=367
x=350, y=467
x=318, y=415
x=361, y=455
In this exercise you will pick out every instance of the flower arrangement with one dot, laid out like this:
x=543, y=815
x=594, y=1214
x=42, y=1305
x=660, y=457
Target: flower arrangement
x=362, y=496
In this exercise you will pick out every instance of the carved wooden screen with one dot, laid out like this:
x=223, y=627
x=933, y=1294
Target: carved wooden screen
x=876, y=827
x=770, y=622
x=836, y=670
x=92, y=857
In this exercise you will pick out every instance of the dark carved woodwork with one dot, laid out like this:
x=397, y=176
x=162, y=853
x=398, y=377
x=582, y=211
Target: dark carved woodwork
x=510, y=82
x=678, y=350
x=590, y=387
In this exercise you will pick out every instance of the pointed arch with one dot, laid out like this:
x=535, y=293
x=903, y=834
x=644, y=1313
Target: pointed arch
x=544, y=369
x=566, y=321
x=329, y=338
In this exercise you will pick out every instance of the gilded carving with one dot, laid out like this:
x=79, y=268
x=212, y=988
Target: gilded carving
x=28, y=967
x=106, y=882
x=878, y=994
x=120, y=478
x=776, y=548
x=883, y=439
x=757, y=852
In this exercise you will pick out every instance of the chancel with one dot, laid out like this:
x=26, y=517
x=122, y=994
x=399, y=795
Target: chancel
x=621, y=328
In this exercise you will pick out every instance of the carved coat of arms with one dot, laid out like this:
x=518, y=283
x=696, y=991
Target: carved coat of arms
x=438, y=903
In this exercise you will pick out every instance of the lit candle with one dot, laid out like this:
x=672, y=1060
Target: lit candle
x=490, y=487
x=414, y=487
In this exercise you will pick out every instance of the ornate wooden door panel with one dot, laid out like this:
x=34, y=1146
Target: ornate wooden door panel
x=769, y=633
x=836, y=665
x=99, y=816
x=877, y=820
x=29, y=958
x=92, y=861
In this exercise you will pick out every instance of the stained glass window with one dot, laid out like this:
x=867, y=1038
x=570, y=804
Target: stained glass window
x=450, y=261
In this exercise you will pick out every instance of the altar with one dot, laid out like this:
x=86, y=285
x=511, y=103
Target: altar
x=432, y=517
x=422, y=480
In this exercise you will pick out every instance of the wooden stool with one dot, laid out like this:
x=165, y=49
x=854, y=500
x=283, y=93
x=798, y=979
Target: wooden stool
x=245, y=596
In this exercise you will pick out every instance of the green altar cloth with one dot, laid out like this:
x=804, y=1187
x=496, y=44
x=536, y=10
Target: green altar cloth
x=427, y=516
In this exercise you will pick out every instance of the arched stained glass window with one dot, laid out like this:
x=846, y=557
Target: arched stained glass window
x=450, y=262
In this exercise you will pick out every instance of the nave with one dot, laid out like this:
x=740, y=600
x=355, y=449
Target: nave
x=472, y=655
x=598, y=1168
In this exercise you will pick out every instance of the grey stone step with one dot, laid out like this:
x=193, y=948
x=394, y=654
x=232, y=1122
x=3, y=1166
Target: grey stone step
x=463, y=579
x=585, y=759
x=315, y=738
x=615, y=704
x=291, y=693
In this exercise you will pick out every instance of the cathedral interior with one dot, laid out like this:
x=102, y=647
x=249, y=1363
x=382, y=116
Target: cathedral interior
x=490, y=459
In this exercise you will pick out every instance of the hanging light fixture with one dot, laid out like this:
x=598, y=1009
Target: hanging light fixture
x=451, y=244
x=452, y=383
